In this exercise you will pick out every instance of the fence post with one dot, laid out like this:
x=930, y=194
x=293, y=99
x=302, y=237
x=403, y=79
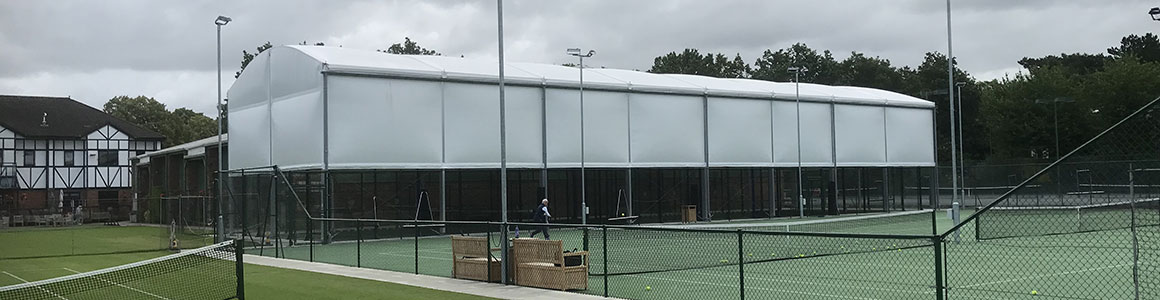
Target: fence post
x=488, y=252
x=310, y=236
x=939, y=284
x=504, y=249
x=416, y=246
x=604, y=255
x=358, y=243
x=741, y=263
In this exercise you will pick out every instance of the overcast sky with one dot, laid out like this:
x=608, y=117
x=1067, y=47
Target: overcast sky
x=94, y=50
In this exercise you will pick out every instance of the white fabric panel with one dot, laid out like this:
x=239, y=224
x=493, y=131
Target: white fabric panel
x=667, y=130
x=605, y=128
x=292, y=72
x=909, y=137
x=861, y=135
x=251, y=87
x=563, y=126
x=739, y=132
x=524, y=126
x=250, y=146
x=472, y=125
x=815, y=134
x=297, y=134
x=378, y=122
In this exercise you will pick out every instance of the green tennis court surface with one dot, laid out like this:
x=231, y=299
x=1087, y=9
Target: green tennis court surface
x=130, y=241
x=649, y=264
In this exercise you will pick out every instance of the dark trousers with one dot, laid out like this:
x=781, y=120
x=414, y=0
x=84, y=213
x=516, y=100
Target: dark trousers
x=542, y=228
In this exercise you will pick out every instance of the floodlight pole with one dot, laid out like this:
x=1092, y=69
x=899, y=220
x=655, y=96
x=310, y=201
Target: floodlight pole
x=220, y=21
x=951, y=96
x=797, y=107
x=502, y=152
x=962, y=144
x=577, y=52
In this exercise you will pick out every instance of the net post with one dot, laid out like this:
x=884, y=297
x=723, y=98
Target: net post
x=741, y=263
x=939, y=284
x=604, y=255
x=358, y=244
x=239, y=270
x=585, y=238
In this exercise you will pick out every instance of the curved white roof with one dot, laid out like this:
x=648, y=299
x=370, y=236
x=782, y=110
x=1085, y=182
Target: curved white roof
x=351, y=61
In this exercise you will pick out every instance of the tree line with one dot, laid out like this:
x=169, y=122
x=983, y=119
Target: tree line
x=1010, y=119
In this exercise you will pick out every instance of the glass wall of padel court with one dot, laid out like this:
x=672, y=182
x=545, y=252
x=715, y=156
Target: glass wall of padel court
x=614, y=196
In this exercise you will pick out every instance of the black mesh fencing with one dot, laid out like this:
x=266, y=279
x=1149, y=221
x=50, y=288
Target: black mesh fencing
x=1084, y=227
x=1081, y=228
x=211, y=272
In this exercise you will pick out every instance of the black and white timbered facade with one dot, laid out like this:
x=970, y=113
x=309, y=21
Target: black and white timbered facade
x=57, y=153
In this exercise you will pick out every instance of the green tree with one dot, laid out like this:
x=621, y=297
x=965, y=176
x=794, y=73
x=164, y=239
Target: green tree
x=1146, y=48
x=691, y=61
x=873, y=72
x=1076, y=64
x=248, y=57
x=772, y=66
x=409, y=47
x=141, y=111
x=179, y=126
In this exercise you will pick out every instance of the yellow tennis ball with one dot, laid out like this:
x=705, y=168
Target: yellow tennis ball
x=772, y=254
x=750, y=254
x=1034, y=292
x=724, y=261
x=647, y=288
x=621, y=214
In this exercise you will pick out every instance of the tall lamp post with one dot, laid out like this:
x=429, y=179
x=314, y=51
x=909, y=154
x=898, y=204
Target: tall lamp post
x=220, y=21
x=583, y=190
x=962, y=152
x=797, y=71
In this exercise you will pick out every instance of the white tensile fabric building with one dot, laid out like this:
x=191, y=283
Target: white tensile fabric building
x=381, y=129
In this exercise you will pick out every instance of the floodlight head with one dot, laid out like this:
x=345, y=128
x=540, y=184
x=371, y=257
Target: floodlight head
x=960, y=83
x=574, y=51
x=1155, y=13
x=222, y=20
x=798, y=69
x=590, y=53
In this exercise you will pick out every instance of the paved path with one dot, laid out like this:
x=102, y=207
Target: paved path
x=426, y=281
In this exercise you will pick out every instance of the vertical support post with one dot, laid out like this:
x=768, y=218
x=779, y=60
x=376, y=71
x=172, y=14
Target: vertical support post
x=1135, y=239
x=358, y=244
x=741, y=262
x=488, y=255
x=504, y=249
x=939, y=284
x=416, y=226
x=705, y=208
x=239, y=270
x=604, y=256
x=310, y=236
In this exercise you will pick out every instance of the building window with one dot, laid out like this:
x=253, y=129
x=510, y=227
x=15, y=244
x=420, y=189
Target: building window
x=107, y=158
x=29, y=158
x=69, y=158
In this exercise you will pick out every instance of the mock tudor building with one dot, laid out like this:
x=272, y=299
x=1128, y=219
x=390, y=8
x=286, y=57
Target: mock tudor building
x=57, y=153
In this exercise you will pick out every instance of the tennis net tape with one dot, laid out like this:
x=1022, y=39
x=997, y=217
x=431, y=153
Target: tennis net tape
x=209, y=272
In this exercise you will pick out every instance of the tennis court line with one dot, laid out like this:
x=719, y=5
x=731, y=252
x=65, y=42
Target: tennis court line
x=747, y=288
x=118, y=284
x=773, y=279
x=1043, y=276
x=26, y=281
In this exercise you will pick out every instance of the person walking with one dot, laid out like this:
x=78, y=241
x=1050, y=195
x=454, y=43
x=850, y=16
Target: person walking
x=542, y=215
